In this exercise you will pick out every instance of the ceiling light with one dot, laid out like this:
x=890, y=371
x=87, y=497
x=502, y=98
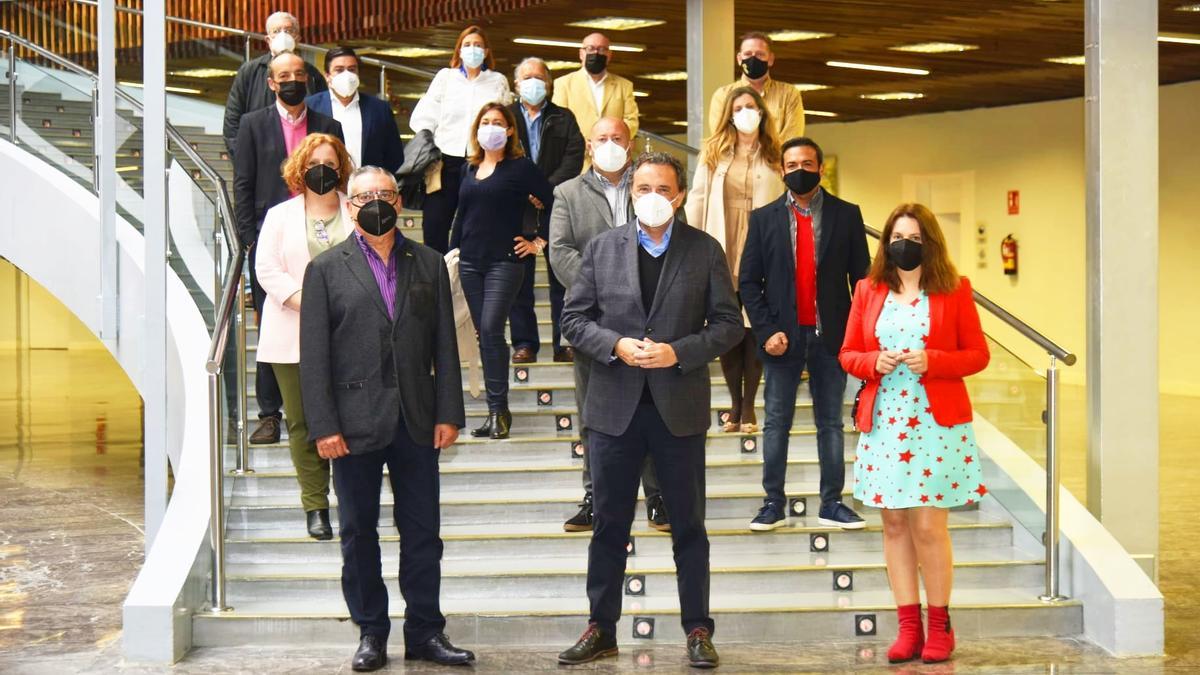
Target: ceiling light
x=550, y=42
x=562, y=65
x=1067, y=60
x=893, y=96
x=797, y=35
x=820, y=113
x=811, y=87
x=413, y=52
x=1188, y=8
x=617, y=23
x=641, y=94
x=205, y=72
x=679, y=123
x=934, y=48
x=1180, y=38
x=668, y=76
x=882, y=69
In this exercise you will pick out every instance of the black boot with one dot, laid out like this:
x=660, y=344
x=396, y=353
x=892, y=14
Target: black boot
x=485, y=429
x=501, y=422
x=318, y=525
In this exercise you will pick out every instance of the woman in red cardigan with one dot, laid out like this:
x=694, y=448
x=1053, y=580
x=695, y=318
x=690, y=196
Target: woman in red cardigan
x=913, y=335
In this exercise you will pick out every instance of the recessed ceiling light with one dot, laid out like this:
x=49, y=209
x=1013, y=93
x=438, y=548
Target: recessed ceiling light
x=882, y=69
x=413, y=52
x=797, y=35
x=640, y=94
x=205, y=72
x=617, y=23
x=1067, y=60
x=1180, y=38
x=893, y=96
x=811, y=87
x=562, y=65
x=934, y=48
x=668, y=76
x=820, y=113
x=679, y=123
x=552, y=42
x=1188, y=8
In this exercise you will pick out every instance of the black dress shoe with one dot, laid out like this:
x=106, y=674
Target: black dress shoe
x=564, y=355
x=582, y=521
x=485, y=429
x=656, y=514
x=501, y=423
x=318, y=525
x=371, y=654
x=701, y=652
x=267, y=432
x=439, y=650
x=593, y=644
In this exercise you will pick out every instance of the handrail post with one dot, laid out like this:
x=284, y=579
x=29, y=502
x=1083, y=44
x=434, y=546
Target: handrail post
x=12, y=90
x=216, y=476
x=383, y=83
x=246, y=49
x=1053, y=479
x=243, y=453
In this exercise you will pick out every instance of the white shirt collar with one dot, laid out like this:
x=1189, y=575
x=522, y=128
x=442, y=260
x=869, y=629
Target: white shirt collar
x=287, y=116
x=334, y=100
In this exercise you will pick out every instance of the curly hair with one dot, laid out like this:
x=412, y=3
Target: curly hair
x=295, y=165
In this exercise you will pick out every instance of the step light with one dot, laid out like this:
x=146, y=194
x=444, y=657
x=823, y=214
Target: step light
x=60, y=108
x=643, y=627
x=865, y=655
x=631, y=547
x=554, y=42
x=562, y=422
x=576, y=449
x=877, y=68
x=644, y=659
x=864, y=625
x=798, y=506
x=520, y=375
x=843, y=580
x=545, y=397
x=818, y=543
x=723, y=417
x=749, y=444
x=635, y=584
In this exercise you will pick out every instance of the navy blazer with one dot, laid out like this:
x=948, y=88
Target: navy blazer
x=380, y=137
x=767, y=277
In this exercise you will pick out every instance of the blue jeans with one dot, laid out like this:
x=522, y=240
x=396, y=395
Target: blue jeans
x=491, y=287
x=827, y=384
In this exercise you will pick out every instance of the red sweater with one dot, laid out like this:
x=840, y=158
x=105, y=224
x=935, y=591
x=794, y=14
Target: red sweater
x=956, y=348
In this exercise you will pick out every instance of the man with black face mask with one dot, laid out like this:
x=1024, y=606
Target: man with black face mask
x=803, y=254
x=592, y=92
x=267, y=137
x=380, y=379
x=786, y=105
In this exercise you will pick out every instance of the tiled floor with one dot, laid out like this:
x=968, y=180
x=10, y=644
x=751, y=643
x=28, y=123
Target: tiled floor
x=71, y=542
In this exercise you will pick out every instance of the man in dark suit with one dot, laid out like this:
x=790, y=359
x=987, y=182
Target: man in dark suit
x=265, y=139
x=249, y=91
x=653, y=304
x=372, y=138
x=380, y=379
x=550, y=136
x=804, y=252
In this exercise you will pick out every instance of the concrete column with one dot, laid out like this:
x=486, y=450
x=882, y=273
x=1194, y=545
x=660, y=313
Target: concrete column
x=710, y=60
x=1122, y=269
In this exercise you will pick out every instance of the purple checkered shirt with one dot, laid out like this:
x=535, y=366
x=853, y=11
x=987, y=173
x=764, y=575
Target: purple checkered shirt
x=384, y=273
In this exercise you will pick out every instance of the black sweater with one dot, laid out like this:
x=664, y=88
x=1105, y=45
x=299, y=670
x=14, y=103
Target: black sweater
x=491, y=211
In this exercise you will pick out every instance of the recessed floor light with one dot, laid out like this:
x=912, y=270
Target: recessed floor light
x=879, y=68
x=1180, y=38
x=1067, y=60
x=205, y=72
x=811, y=87
x=893, y=96
x=797, y=35
x=413, y=52
x=668, y=76
x=554, y=42
x=820, y=113
x=934, y=48
x=617, y=23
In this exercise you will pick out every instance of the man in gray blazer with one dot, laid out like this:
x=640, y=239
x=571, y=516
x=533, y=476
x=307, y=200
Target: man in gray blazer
x=381, y=385
x=585, y=206
x=651, y=306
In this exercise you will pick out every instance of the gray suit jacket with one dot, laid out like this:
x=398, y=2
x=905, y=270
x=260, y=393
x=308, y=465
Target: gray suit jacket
x=694, y=310
x=359, y=369
x=580, y=213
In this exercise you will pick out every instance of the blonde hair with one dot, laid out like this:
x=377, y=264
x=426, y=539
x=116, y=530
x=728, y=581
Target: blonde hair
x=294, y=166
x=723, y=140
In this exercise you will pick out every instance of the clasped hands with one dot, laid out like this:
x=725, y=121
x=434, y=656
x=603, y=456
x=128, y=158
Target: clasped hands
x=917, y=361
x=334, y=446
x=645, y=353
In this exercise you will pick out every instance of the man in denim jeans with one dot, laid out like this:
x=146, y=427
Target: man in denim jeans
x=804, y=252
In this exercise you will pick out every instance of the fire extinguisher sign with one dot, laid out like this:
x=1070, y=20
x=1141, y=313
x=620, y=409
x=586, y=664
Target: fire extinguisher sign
x=1014, y=202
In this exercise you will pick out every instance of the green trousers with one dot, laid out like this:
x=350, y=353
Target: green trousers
x=312, y=472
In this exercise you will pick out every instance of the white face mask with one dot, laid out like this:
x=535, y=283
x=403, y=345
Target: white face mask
x=344, y=84
x=491, y=136
x=609, y=156
x=653, y=209
x=532, y=91
x=746, y=120
x=472, y=56
x=282, y=42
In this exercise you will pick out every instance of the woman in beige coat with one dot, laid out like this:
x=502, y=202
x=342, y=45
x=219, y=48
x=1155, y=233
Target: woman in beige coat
x=738, y=172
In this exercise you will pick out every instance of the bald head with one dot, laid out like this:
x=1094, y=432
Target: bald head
x=284, y=63
x=597, y=47
x=610, y=128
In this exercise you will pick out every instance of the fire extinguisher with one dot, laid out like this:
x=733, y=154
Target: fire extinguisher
x=1008, y=254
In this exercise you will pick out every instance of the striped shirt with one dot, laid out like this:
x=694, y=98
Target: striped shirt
x=384, y=273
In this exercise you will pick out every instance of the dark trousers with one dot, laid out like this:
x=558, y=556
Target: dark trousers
x=583, y=369
x=523, y=321
x=616, y=465
x=266, y=388
x=491, y=288
x=827, y=384
x=437, y=212
x=742, y=370
x=413, y=473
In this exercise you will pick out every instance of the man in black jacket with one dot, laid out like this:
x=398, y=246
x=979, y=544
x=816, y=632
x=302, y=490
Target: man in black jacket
x=550, y=136
x=380, y=379
x=249, y=91
x=804, y=252
x=265, y=139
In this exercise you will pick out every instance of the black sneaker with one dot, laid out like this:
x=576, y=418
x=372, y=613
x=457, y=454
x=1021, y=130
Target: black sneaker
x=582, y=521
x=769, y=517
x=656, y=514
x=837, y=514
x=593, y=644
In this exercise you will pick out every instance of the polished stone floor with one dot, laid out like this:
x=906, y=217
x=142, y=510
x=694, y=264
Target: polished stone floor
x=71, y=543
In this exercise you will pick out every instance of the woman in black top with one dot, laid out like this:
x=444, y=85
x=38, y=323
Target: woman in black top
x=497, y=183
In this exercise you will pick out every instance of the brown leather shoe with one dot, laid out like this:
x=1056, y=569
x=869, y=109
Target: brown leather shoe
x=267, y=432
x=524, y=355
x=564, y=355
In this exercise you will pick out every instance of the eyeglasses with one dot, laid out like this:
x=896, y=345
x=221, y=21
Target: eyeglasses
x=595, y=50
x=362, y=198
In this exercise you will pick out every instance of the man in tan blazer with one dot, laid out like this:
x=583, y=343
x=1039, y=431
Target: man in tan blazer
x=755, y=58
x=592, y=92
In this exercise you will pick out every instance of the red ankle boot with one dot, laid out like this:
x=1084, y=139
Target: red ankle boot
x=911, y=636
x=940, y=643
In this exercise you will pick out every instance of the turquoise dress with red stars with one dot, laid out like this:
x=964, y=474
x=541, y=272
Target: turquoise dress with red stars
x=908, y=459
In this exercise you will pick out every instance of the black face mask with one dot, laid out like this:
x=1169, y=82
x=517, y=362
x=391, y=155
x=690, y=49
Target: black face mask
x=595, y=63
x=801, y=182
x=754, y=67
x=292, y=92
x=321, y=179
x=906, y=253
x=377, y=217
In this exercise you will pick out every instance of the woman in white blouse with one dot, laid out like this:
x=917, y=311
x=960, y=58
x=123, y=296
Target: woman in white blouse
x=447, y=110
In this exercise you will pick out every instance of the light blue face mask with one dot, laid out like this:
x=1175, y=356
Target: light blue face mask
x=532, y=90
x=472, y=56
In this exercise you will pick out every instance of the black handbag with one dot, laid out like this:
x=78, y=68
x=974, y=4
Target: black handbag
x=854, y=408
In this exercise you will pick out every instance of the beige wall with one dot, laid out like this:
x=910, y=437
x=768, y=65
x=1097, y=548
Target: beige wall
x=51, y=324
x=1038, y=149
